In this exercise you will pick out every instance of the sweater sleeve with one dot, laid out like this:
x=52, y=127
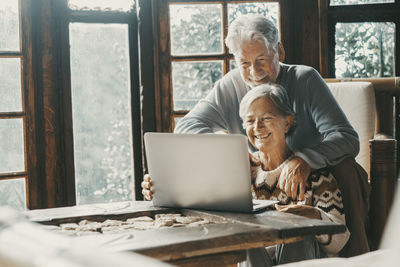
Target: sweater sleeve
x=339, y=139
x=338, y=241
x=327, y=198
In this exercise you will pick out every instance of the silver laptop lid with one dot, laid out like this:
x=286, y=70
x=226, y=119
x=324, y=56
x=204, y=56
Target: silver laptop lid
x=203, y=171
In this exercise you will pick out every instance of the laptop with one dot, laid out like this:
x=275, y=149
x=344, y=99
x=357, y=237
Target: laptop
x=201, y=171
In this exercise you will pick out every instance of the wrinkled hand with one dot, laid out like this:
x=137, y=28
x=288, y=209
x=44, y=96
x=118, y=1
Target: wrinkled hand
x=301, y=210
x=147, y=192
x=294, y=176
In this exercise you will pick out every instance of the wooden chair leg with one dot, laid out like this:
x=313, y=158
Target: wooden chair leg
x=383, y=181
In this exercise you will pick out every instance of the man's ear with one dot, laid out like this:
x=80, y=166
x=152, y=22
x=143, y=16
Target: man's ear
x=281, y=52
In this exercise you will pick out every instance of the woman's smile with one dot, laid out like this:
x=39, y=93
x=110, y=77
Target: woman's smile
x=260, y=137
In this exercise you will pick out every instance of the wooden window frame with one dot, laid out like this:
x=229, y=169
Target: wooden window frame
x=386, y=12
x=31, y=172
x=127, y=18
x=164, y=92
x=47, y=99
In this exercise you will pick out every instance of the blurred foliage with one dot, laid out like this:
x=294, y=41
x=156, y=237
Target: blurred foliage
x=196, y=29
x=192, y=81
x=10, y=86
x=101, y=112
x=12, y=193
x=364, y=50
x=9, y=26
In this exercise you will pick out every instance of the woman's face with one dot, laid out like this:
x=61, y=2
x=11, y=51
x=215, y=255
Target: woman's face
x=258, y=64
x=265, y=126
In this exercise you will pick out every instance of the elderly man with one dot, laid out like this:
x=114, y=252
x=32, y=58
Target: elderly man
x=323, y=136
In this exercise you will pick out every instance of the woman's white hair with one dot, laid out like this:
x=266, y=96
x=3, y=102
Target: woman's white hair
x=251, y=27
x=274, y=92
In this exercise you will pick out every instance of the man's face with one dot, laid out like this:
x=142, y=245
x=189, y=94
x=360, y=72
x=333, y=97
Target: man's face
x=258, y=64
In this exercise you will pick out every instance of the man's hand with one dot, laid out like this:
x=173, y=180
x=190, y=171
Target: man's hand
x=293, y=177
x=301, y=210
x=146, y=187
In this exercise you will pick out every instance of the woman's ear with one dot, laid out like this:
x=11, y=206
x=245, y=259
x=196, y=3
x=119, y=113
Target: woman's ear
x=281, y=52
x=289, y=123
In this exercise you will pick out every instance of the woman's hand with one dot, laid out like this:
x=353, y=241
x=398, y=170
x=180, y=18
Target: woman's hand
x=146, y=187
x=293, y=178
x=301, y=210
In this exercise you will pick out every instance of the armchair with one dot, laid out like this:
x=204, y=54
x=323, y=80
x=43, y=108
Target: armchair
x=372, y=107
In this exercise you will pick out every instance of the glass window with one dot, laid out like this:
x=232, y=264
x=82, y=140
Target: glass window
x=12, y=150
x=195, y=29
x=10, y=86
x=192, y=81
x=198, y=56
x=13, y=193
x=105, y=5
x=233, y=64
x=102, y=127
x=358, y=2
x=269, y=10
x=364, y=49
x=9, y=25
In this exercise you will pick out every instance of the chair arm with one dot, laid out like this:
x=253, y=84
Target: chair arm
x=383, y=151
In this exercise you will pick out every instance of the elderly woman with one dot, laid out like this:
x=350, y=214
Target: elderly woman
x=267, y=118
x=323, y=137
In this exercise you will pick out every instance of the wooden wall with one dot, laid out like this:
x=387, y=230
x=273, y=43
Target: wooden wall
x=300, y=32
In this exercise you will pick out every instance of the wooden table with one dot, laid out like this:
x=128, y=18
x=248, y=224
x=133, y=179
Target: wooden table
x=221, y=243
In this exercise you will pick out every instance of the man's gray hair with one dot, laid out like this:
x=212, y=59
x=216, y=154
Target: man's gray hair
x=251, y=27
x=276, y=93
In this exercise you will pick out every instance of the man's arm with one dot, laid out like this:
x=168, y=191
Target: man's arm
x=318, y=112
x=205, y=117
x=340, y=140
x=218, y=111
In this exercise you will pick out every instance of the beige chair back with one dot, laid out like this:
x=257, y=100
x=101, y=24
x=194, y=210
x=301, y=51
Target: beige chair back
x=357, y=99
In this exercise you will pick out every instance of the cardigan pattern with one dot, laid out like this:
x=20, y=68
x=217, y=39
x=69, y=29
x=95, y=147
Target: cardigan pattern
x=322, y=193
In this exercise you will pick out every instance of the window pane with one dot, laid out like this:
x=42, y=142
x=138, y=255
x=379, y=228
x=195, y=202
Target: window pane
x=269, y=10
x=120, y=5
x=13, y=193
x=195, y=29
x=364, y=49
x=100, y=78
x=12, y=149
x=9, y=25
x=192, y=81
x=358, y=2
x=233, y=64
x=10, y=86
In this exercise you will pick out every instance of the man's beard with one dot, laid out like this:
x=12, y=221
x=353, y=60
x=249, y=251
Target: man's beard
x=259, y=80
